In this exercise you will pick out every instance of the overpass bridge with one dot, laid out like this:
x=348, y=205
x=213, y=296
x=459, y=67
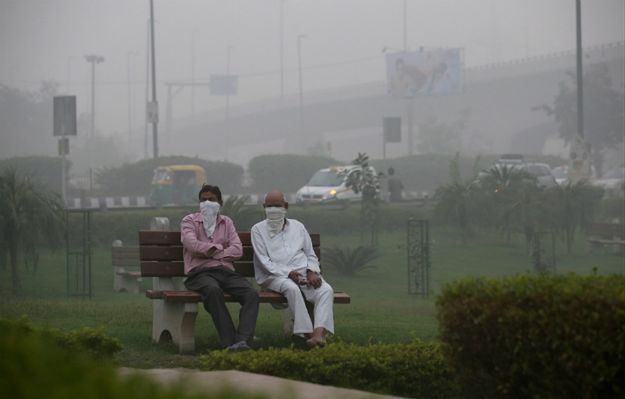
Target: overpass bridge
x=496, y=105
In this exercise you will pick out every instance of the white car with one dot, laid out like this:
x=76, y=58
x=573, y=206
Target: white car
x=328, y=185
x=612, y=182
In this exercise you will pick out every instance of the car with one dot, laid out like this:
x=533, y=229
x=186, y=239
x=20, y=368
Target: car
x=328, y=185
x=561, y=174
x=542, y=173
x=612, y=182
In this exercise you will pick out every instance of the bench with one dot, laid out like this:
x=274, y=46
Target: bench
x=125, y=280
x=174, y=308
x=606, y=234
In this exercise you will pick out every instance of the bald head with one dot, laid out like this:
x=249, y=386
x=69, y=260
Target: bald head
x=275, y=198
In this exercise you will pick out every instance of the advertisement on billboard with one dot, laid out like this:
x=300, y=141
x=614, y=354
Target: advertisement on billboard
x=224, y=85
x=425, y=73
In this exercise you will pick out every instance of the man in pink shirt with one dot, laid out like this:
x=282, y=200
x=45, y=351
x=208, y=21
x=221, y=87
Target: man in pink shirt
x=210, y=245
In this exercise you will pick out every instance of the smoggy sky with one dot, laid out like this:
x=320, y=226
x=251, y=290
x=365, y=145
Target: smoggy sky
x=47, y=40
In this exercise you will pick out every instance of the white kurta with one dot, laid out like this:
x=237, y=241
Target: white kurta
x=291, y=250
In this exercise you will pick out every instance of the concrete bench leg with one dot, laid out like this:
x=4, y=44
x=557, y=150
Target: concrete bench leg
x=178, y=319
x=123, y=282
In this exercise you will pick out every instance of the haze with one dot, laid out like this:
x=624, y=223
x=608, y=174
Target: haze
x=47, y=40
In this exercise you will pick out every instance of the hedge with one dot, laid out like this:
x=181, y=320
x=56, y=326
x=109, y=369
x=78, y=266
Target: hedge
x=416, y=369
x=536, y=336
x=136, y=178
x=37, y=363
x=109, y=225
x=286, y=172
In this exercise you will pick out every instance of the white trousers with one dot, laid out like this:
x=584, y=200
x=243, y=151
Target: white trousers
x=322, y=298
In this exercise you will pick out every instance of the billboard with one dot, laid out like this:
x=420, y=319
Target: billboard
x=423, y=73
x=224, y=85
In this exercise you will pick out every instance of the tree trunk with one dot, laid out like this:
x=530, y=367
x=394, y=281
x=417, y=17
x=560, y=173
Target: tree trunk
x=15, y=278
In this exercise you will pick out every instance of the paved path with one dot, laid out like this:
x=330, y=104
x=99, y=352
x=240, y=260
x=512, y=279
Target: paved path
x=274, y=387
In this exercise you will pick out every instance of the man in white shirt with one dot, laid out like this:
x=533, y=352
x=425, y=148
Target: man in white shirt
x=284, y=261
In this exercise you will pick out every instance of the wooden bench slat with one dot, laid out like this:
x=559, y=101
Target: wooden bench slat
x=174, y=252
x=265, y=296
x=148, y=237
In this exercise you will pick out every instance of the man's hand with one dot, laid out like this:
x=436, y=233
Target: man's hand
x=313, y=279
x=295, y=276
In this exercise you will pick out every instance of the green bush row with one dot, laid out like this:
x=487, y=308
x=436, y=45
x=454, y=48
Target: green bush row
x=110, y=225
x=47, y=364
x=417, y=369
x=536, y=336
x=285, y=172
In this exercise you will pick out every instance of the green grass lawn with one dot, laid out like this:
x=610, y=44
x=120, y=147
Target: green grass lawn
x=381, y=309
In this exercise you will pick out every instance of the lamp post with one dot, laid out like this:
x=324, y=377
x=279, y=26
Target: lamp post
x=193, y=33
x=130, y=90
x=228, y=51
x=281, y=49
x=154, y=102
x=301, y=85
x=93, y=60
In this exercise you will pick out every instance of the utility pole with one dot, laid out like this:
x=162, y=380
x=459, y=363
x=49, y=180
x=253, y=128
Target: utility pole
x=409, y=101
x=301, y=84
x=193, y=32
x=580, y=78
x=228, y=50
x=147, y=90
x=281, y=49
x=154, y=102
x=93, y=60
x=130, y=90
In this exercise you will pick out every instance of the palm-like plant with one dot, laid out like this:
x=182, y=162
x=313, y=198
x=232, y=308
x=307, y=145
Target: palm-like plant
x=348, y=261
x=235, y=208
x=28, y=216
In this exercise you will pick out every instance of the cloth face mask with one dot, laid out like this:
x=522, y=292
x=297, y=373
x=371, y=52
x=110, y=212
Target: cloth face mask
x=275, y=219
x=209, y=211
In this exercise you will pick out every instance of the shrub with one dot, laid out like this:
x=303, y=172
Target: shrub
x=45, y=171
x=33, y=365
x=287, y=172
x=348, y=261
x=417, y=369
x=536, y=336
x=136, y=178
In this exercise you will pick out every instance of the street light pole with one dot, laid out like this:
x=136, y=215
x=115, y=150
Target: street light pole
x=193, y=32
x=130, y=90
x=228, y=50
x=154, y=102
x=301, y=85
x=580, y=82
x=93, y=60
x=281, y=49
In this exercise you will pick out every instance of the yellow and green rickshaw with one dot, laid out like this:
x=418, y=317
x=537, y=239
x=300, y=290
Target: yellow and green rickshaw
x=176, y=184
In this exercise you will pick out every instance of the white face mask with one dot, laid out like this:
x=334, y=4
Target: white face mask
x=275, y=219
x=209, y=211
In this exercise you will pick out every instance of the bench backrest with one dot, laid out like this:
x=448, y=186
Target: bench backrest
x=607, y=230
x=125, y=256
x=160, y=253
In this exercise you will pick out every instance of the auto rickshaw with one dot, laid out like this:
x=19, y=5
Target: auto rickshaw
x=176, y=184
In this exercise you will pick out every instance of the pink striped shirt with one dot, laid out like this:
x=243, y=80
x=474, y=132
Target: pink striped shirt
x=224, y=246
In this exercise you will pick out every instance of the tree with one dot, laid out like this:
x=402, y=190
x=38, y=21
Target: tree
x=366, y=181
x=26, y=120
x=604, y=119
x=28, y=215
x=437, y=137
x=456, y=200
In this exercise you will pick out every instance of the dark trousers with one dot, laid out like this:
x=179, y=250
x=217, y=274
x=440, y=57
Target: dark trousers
x=211, y=285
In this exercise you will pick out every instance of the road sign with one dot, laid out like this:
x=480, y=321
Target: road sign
x=224, y=85
x=392, y=129
x=64, y=115
x=63, y=146
x=152, y=112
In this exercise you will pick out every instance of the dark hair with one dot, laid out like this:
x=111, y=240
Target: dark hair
x=207, y=188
